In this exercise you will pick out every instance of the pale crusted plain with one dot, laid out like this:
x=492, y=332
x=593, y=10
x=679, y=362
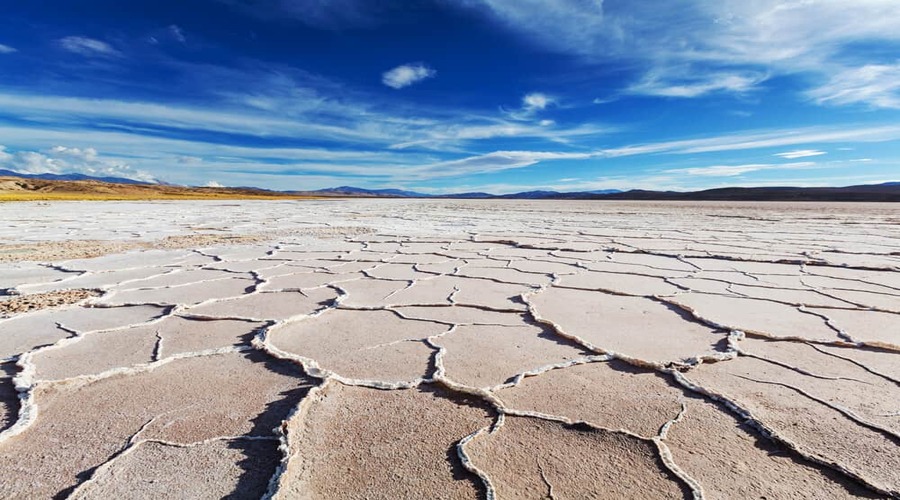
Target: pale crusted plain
x=450, y=349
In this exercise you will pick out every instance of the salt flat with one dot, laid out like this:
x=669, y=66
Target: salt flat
x=449, y=349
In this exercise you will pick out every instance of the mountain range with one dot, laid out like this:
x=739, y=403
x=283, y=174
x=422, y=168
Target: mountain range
x=83, y=185
x=71, y=177
x=888, y=191
x=399, y=193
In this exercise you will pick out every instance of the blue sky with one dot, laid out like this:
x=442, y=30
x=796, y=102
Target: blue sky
x=454, y=95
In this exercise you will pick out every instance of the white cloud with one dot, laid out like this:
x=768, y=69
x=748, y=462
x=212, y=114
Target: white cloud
x=668, y=85
x=532, y=103
x=800, y=153
x=85, y=155
x=406, y=75
x=649, y=182
x=184, y=152
x=325, y=119
x=213, y=184
x=763, y=139
x=579, y=26
x=440, y=136
x=195, y=162
x=166, y=158
x=877, y=85
x=64, y=160
x=719, y=170
x=493, y=162
x=6, y=49
x=738, y=43
x=88, y=47
x=73, y=110
x=536, y=101
x=734, y=170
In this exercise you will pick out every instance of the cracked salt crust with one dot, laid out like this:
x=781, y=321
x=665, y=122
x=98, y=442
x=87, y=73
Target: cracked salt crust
x=456, y=349
x=576, y=462
x=400, y=454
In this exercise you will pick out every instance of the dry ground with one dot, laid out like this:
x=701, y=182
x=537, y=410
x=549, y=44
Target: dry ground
x=450, y=349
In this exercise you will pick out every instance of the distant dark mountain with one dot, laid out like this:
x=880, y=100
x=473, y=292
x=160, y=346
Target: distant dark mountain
x=71, y=177
x=355, y=191
x=467, y=196
x=889, y=191
x=531, y=195
x=399, y=193
x=581, y=195
x=556, y=195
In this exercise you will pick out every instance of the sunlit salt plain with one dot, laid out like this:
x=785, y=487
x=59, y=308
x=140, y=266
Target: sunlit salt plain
x=449, y=349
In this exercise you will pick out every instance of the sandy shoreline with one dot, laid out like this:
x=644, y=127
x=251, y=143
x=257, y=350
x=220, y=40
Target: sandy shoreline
x=453, y=349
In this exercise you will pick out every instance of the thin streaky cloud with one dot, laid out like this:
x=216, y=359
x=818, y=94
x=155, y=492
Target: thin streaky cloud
x=800, y=153
x=88, y=47
x=875, y=85
x=335, y=121
x=666, y=85
x=765, y=139
x=735, y=170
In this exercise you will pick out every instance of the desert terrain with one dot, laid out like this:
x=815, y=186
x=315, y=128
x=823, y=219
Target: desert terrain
x=31, y=189
x=449, y=349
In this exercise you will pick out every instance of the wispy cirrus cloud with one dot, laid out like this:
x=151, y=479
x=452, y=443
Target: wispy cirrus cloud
x=6, y=49
x=876, y=85
x=800, y=153
x=494, y=162
x=735, y=170
x=763, y=139
x=488, y=163
x=694, y=47
x=88, y=47
x=351, y=124
x=406, y=75
x=447, y=135
x=667, y=84
x=268, y=102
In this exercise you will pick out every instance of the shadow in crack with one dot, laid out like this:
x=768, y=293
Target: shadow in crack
x=261, y=458
x=459, y=472
x=549, y=334
x=9, y=398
